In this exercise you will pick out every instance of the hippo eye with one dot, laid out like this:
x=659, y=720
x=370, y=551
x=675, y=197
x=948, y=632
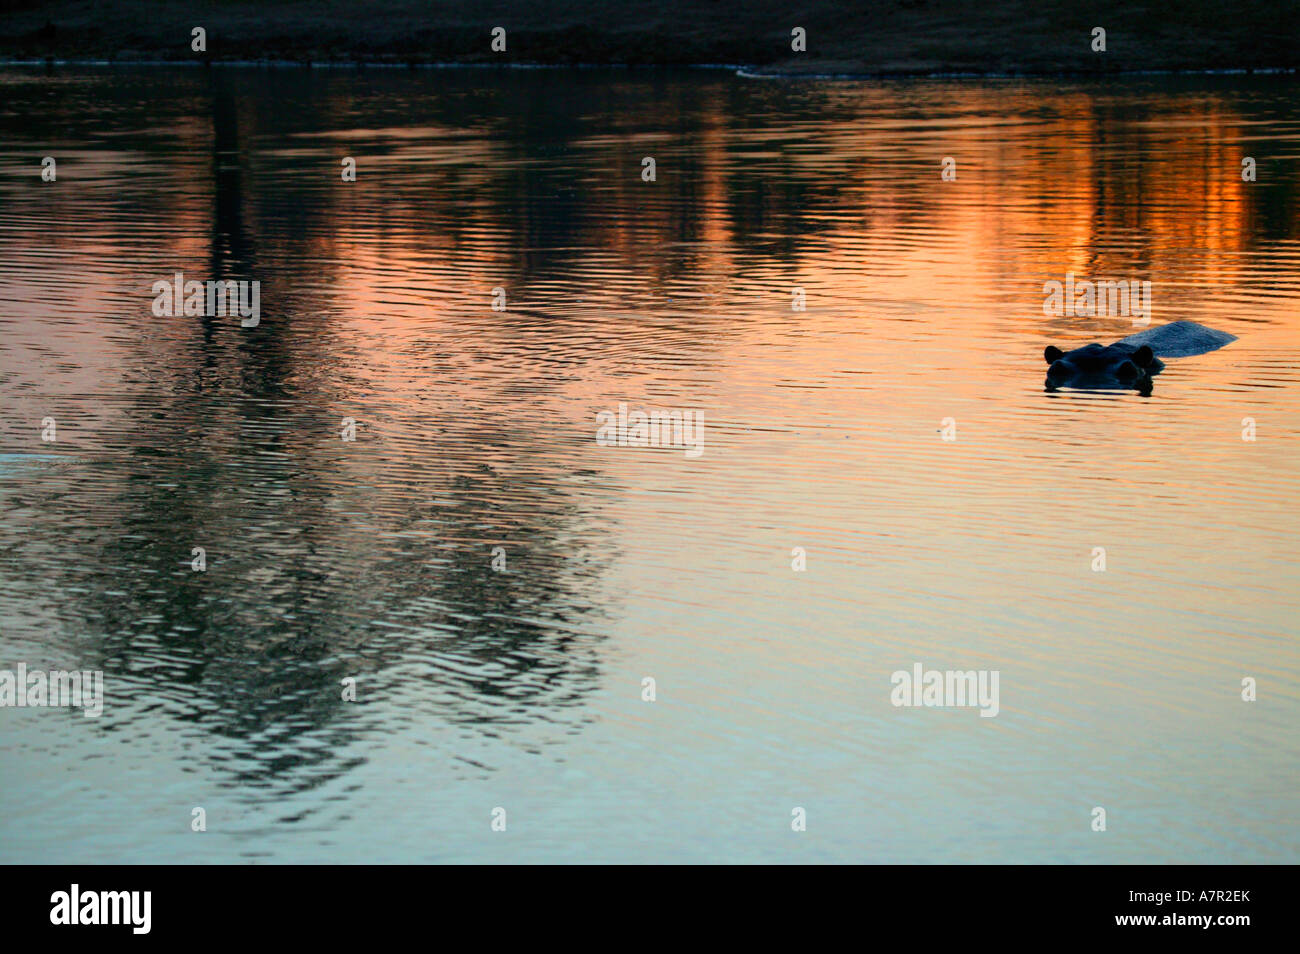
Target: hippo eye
x=1059, y=369
x=1127, y=371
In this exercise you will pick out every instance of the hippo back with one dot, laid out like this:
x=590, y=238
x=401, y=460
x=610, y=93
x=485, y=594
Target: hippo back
x=1180, y=339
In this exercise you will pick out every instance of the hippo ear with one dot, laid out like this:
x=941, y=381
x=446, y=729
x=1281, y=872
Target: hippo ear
x=1143, y=357
x=1052, y=353
x=1128, y=371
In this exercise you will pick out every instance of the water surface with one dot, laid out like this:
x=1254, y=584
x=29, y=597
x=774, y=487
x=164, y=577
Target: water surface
x=520, y=686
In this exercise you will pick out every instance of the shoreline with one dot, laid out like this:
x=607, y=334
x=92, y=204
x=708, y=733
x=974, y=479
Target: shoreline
x=818, y=38
x=746, y=71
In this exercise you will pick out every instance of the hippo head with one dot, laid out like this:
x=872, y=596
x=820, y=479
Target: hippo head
x=1097, y=367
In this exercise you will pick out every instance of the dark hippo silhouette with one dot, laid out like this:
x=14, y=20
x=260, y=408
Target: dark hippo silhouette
x=1129, y=364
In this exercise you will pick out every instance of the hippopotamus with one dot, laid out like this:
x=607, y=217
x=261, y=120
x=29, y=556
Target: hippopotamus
x=1129, y=364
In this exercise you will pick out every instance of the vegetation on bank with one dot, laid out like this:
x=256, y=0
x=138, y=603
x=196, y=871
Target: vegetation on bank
x=895, y=37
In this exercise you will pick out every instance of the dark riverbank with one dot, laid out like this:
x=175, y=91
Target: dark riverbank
x=913, y=36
